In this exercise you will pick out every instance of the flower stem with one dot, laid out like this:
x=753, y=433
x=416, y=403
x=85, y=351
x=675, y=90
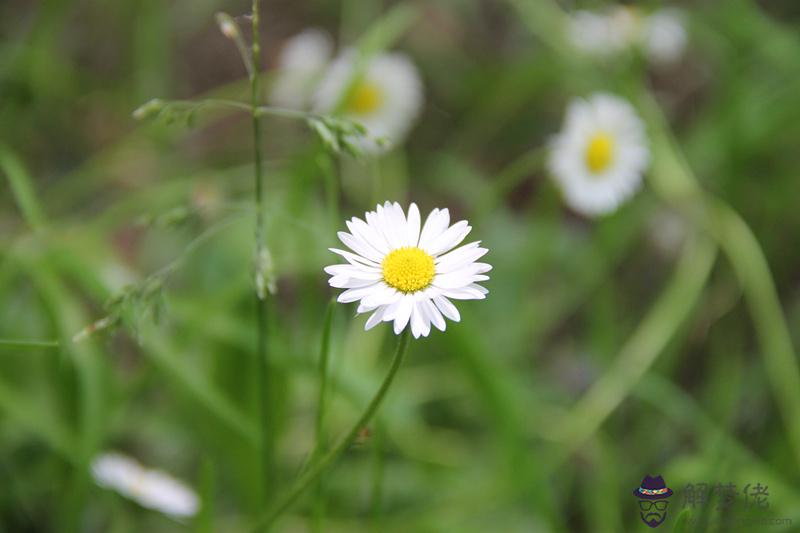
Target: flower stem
x=265, y=441
x=662, y=323
x=321, y=438
x=378, y=470
x=673, y=179
x=312, y=474
x=30, y=343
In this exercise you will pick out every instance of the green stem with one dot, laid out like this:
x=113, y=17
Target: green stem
x=312, y=474
x=22, y=188
x=158, y=105
x=639, y=354
x=29, y=343
x=320, y=437
x=324, y=364
x=66, y=312
x=673, y=179
x=262, y=391
x=378, y=468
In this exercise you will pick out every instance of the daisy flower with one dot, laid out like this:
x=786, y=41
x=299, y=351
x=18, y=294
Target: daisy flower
x=150, y=488
x=301, y=64
x=406, y=272
x=600, y=155
x=665, y=36
x=661, y=35
x=385, y=96
x=603, y=34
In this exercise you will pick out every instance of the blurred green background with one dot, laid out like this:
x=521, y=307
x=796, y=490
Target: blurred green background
x=607, y=349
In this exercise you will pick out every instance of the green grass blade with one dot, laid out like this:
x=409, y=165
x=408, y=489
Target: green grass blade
x=642, y=349
x=22, y=188
x=673, y=179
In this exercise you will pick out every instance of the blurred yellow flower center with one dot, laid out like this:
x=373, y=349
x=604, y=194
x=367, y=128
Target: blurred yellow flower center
x=408, y=269
x=365, y=98
x=599, y=152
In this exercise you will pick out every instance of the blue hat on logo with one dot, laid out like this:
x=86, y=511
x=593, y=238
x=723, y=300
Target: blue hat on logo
x=653, y=488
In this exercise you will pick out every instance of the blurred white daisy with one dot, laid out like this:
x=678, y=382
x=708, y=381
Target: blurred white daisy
x=600, y=155
x=603, y=34
x=404, y=272
x=385, y=96
x=661, y=35
x=665, y=36
x=150, y=488
x=301, y=64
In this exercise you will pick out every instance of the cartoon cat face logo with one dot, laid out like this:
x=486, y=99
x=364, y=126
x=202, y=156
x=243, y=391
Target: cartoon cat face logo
x=653, y=503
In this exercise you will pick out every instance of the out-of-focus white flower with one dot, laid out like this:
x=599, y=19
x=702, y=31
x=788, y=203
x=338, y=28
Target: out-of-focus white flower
x=385, y=96
x=405, y=272
x=301, y=64
x=600, y=155
x=665, y=36
x=626, y=23
x=661, y=34
x=591, y=34
x=604, y=34
x=150, y=488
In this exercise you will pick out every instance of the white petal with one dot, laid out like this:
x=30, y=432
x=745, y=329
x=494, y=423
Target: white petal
x=360, y=246
x=465, y=293
x=354, y=271
x=383, y=295
x=375, y=319
x=459, y=257
x=454, y=280
x=435, y=224
x=346, y=282
x=354, y=259
x=482, y=290
x=447, y=308
x=419, y=325
x=361, y=229
x=389, y=225
x=397, y=218
x=351, y=295
x=433, y=314
x=403, y=313
x=412, y=227
x=449, y=239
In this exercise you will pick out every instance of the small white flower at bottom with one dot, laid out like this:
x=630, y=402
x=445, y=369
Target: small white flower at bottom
x=600, y=155
x=150, y=488
x=405, y=272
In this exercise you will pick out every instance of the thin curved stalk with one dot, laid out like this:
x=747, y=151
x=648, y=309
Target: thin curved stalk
x=673, y=179
x=322, y=401
x=642, y=349
x=66, y=313
x=30, y=343
x=22, y=188
x=311, y=475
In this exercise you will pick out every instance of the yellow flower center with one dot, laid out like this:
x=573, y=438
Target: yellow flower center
x=364, y=98
x=600, y=152
x=408, y=269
